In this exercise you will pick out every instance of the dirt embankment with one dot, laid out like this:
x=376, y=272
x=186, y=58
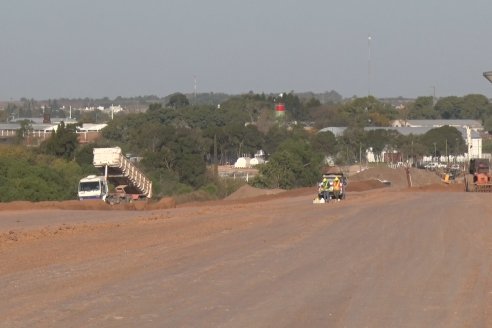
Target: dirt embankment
x=99, y=205
x=370, y=179
x=185, y=266
x=422, y=180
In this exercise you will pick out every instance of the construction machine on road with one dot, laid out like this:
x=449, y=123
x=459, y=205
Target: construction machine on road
x=326, y=194
x=479, y=179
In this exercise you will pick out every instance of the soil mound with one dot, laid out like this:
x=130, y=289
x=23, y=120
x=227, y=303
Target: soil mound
x=365, y=185
x=422, y=180
x=248, y=191
x=62, y=205
x=397, y=177
x=452, y=187
x=166, y=202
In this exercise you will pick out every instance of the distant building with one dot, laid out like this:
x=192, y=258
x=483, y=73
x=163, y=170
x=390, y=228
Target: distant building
x=336, y=130
x=243, y=162
x=89, y=132
x=115, y=109
x=469, y=129
x=40, y=131
x=472, y=124
x=472, y=137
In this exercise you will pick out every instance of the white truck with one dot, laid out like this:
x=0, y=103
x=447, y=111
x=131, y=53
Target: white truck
x=93, y=187
x=129, y=182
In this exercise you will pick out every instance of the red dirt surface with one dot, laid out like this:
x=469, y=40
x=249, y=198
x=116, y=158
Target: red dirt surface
x=384, y=257
x=99, y=205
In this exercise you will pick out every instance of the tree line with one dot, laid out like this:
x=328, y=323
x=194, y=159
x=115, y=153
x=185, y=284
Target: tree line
x=179, y=141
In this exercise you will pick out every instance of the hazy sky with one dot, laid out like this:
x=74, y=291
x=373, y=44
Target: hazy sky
x=97, y=48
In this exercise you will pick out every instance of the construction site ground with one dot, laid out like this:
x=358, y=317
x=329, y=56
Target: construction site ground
x=384, y=257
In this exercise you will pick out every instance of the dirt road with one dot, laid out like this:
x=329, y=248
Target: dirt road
x=383, y=258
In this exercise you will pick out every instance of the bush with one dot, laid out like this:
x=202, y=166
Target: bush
x=25, y=176
x=295, y=164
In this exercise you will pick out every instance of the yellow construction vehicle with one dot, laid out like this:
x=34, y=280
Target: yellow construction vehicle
x=479, y=179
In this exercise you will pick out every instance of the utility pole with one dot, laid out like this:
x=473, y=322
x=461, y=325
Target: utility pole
x=369, y=38
x=412, y=154
x=216, y=167
x=360, y=156
x=447, y=158
x=433, y=95
x=194, y=89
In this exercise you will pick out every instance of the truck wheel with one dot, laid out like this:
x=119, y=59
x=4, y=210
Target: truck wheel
x=112, y=200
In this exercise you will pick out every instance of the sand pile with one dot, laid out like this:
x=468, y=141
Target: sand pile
x=62, y=205
x=440, y=187
x=397, y=176
x=365, y=185
x=98, y=205
x=364, y=181
x=166, y=202
x=248, y=191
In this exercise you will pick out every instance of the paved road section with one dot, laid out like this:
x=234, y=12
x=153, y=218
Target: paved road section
x=378, y=259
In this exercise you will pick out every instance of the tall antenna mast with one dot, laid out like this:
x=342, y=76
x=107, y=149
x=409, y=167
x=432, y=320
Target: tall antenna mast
x=369, y=38
x=194, y=87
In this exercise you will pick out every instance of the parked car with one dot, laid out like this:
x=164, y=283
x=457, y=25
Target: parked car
x=430, y=166
x=455, y=167
x=434, y=166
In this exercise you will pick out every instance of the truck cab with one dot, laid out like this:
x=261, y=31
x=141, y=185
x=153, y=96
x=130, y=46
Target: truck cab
x=93, y=187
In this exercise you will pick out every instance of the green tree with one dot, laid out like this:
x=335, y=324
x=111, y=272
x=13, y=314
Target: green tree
x=487, y=125
x=180, y=157
x=324, y=143
x=279, y=172
x=121, y=129
x=368, y=111
x=443, y=140
x=243, y=109
x=293, y=106
x=350, y=143
x=294, y=164
x=62, y=143
x=471, y=106
x=377, y=140
x=178, y=100
x=93, y=116
x=244, y=139
x=476, y=107
x=487, y=145
x=329, y=115
x=450, y=107
x=275, y=136
x=422, y=108
x=23, y=132
x=312, y=103
x=30, y=177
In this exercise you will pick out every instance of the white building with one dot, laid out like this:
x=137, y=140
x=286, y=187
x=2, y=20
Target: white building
x=475, y=125
x=243, y=163
x=469, y=129
x=115, y=109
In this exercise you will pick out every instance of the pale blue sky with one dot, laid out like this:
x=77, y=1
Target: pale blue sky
x=97, y=48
